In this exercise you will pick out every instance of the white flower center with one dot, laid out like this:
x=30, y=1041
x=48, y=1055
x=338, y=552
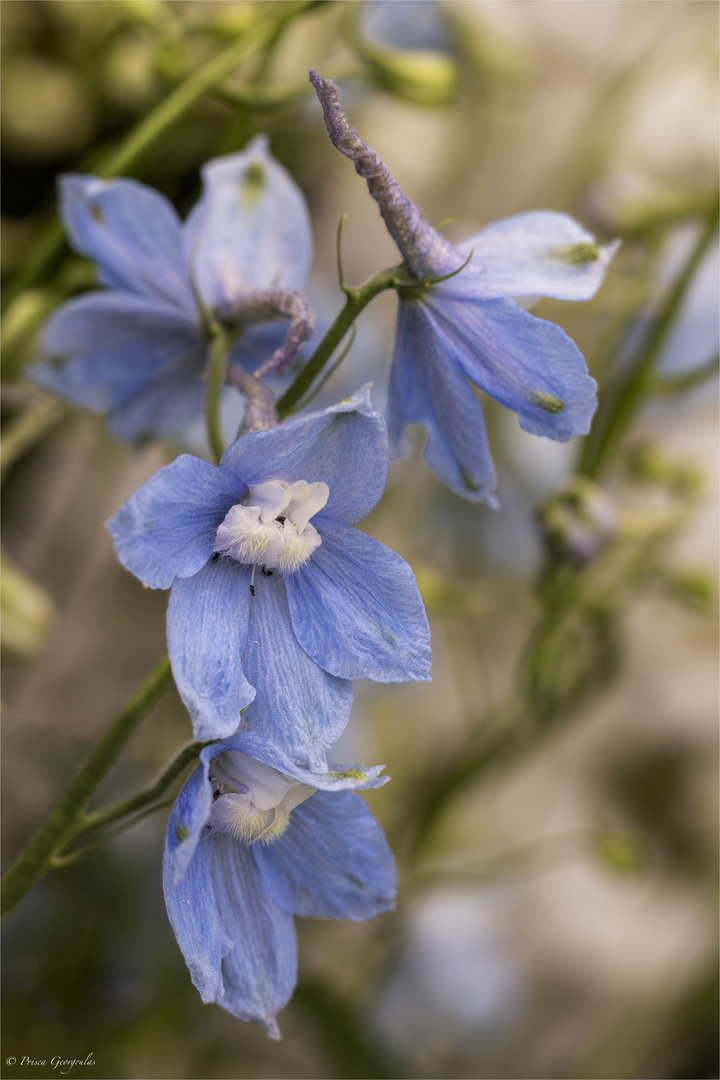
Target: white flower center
x=272, y=528
x=252, y=801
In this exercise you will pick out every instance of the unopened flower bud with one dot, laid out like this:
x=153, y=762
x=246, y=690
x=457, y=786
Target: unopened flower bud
x=578, y=521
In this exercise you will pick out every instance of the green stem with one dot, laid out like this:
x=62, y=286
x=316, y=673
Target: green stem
x=254, y=96
x=59, y=862
x=168, y=112
x=27, y=429
x=618, y=408
x=687, y=380
x=98, y=819
x=356, y=300
x=215, y=375
x=61, y=825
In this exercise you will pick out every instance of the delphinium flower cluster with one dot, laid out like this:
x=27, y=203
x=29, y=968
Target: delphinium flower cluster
x=277, y=601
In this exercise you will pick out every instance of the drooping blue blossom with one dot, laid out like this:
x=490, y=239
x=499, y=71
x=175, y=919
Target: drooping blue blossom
x=271, y=612
x=137, y=350
x=254, y=840
x=458, y=327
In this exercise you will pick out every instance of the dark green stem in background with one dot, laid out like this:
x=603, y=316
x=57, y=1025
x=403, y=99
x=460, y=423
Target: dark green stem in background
x=618, y=407
x=62, y=824
x=157, y=122
x=356, y=300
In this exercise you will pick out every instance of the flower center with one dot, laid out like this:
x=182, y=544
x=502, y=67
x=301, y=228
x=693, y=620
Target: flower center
x=252, y=801
x=272, y=529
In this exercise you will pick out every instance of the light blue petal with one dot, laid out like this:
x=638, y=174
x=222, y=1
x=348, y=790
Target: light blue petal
x=139, y=360
x=188, y=819
x=425, y=388
x=528, y=365
x=207, y=627
x=167, y=528
x=188, y=889
x=337, y=778
x=344, y=446
x=298, y=706
x=132, y=233
x=195, y=919
x=356, y=609
x=333, y=861
x=260, y=970
x=542, y=253
x=250, y=230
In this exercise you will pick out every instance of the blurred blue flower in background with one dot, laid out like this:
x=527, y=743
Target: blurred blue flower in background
x=330, y=603
x=138, y=350
x=459, y=325
x=252, y=841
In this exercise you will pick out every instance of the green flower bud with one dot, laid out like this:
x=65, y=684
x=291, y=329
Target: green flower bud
x=618, y=851
x=27, y=611
x=577, y=522
x=425, y=78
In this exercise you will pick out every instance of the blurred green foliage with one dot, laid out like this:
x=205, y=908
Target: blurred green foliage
x=566, y=673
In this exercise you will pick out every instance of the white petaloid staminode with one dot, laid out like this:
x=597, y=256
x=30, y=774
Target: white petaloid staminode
x=252, y=801
x=273, y=527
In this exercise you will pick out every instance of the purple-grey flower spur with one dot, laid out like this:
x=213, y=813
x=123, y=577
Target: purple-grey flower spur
x=277, y=602
x=254, y=840
x=458, y=325
x=137, y=350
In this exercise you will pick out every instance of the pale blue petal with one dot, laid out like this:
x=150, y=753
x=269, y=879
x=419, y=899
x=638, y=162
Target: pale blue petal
x=207, y=627
x=195, y=919
x=137, y=359
x=337, y=778
x=164, y=407
x=425, y=388
x=250, y=230
x=542, y=253
x=356, y=609
x=333, y=861
x=298, y=706
x=188, y=818
x=260, y=971
x=344, y=446
x=528, y=365
x=133, y=235
x=167, y=528
x=188, y=889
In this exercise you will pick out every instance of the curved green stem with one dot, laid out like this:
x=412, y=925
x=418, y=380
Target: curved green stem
x=98, y=819
x=686, y=380
x=215, y=375
x=357, y=299
x=61, y=825
x=618, y=408
x=157, y=122
x=59, y=862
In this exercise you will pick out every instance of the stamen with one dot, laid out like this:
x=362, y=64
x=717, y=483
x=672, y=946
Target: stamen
x=273, y=529
x=251, y=801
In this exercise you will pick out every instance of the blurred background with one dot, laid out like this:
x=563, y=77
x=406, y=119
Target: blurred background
x=553, y=804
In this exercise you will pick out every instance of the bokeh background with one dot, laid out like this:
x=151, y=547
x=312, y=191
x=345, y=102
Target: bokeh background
x=553, y=804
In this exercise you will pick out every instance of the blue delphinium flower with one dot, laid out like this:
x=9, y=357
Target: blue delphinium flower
x=137, y=350
x=254, y=840
x=458, y=326
x=329, y=605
